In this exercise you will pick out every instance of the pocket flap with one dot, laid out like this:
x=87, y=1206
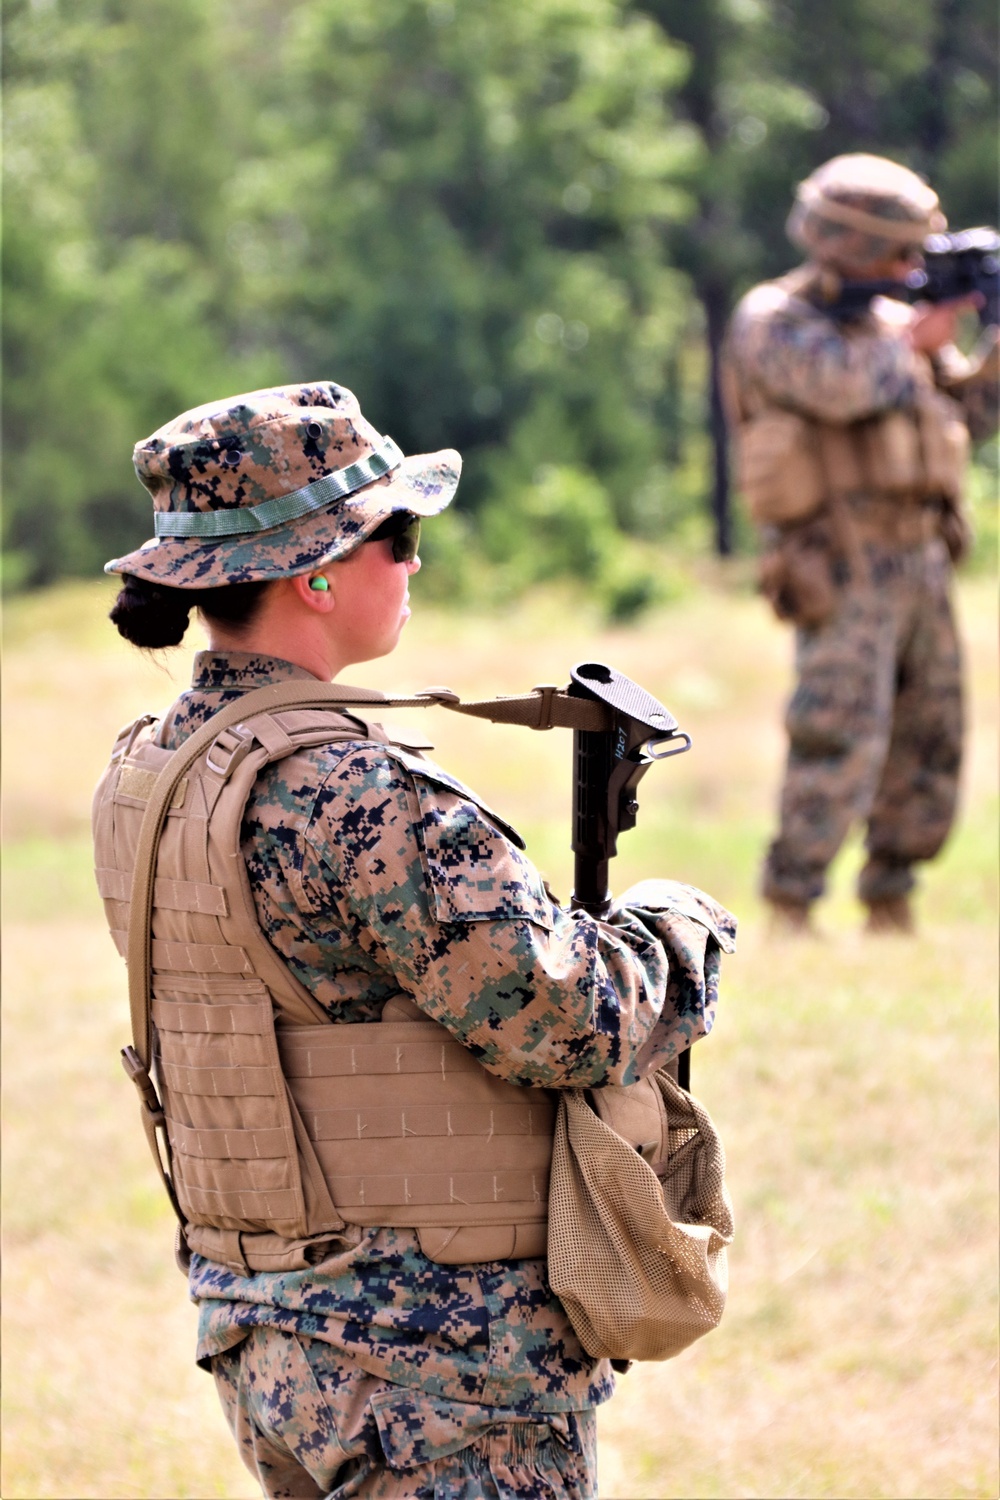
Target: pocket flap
x=427, y=770
x=475, y=868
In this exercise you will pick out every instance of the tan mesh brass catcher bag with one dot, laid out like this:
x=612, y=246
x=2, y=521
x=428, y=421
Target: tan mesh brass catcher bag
x=638, y=1260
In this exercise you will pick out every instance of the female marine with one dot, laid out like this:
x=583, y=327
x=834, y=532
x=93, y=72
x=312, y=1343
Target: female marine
x=363, y=997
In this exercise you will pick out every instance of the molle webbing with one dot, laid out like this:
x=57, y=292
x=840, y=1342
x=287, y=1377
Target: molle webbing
x=232, y=1136
x=388, y=1152
x=280, y=1135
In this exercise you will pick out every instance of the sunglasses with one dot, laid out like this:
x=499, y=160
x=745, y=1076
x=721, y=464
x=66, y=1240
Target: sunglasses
x=403, y=527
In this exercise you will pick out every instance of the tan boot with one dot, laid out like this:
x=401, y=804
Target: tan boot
x=789, y=918
x=890, y=914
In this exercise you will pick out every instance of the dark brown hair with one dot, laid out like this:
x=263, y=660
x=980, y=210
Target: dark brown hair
x=153, y=615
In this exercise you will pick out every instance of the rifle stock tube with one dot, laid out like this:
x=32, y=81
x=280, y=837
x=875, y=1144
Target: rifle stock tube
x=594, y=761
x=607, y=767
x=590, y=886
x=593, y=764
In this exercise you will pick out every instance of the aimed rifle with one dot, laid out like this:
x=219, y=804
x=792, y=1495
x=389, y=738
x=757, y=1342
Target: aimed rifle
x=609, y=763
x=955, y=265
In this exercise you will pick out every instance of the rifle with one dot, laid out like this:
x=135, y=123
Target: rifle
x=955, y=265
x=608, y=765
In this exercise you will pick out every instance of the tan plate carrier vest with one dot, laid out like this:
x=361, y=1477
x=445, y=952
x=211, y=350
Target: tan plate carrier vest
x=790, y=465
x=281, y=1128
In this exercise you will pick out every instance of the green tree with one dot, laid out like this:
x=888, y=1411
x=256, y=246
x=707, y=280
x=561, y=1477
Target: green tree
x=115, y=291
x=456, y=209
x=487, y=216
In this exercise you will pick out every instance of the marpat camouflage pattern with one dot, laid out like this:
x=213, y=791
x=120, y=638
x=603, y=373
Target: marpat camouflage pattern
x=786, y=352
x=263, y=462
x=307, y=1422
x=875, y=722
x=376, y=872
x=874, y=728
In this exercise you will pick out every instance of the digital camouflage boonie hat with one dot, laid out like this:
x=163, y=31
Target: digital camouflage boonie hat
x=274, y=483
x=860, y=208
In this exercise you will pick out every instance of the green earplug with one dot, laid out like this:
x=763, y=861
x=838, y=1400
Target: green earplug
x=319, y=583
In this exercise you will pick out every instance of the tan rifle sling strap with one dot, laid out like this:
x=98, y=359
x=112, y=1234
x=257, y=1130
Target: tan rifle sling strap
x=544, y=708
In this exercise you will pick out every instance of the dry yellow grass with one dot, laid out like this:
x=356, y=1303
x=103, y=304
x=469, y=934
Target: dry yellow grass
x=855, y=1082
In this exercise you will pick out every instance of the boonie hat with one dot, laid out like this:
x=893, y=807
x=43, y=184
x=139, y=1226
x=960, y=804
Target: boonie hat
x=274, y=483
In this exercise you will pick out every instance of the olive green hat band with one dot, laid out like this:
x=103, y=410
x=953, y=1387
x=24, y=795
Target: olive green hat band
x=239, y=520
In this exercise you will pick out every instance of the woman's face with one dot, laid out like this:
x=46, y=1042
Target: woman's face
x=371, y=601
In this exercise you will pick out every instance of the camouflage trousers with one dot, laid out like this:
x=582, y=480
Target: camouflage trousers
x=874, y=728
x=311, y=1424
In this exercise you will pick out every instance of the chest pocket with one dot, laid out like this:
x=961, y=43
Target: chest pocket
x=475, y=869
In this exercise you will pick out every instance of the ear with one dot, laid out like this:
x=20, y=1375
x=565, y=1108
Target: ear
x=315, y=599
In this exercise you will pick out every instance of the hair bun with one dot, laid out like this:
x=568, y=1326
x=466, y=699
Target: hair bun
x=149, y=615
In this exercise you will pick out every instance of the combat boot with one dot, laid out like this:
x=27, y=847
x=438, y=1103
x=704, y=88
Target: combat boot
x=789, y=918
x=890, y=914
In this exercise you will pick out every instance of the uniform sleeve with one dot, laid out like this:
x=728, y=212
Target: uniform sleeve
x=797, y=358
x=422, y=879
x=974, y=382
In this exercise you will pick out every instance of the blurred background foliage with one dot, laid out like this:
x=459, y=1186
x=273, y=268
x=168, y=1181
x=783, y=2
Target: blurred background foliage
x=515, y=227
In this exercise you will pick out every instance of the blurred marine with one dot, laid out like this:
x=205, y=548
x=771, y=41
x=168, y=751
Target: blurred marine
x=852, y=415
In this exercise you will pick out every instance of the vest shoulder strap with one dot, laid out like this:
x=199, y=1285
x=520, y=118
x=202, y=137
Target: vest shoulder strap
x=228, y=737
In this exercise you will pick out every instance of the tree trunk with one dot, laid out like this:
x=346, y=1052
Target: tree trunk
x=935, y=127
x=716, y=305
x=705, y=28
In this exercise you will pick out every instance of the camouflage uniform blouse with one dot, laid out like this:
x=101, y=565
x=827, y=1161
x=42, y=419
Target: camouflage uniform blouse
x=374, y=873
x=785, y=349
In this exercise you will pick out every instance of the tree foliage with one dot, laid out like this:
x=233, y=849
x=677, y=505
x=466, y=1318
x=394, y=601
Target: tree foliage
x=453, y=209
x=486, y=216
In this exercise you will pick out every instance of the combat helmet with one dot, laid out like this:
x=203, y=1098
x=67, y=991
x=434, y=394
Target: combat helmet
x=274, y=483
x=858, y=209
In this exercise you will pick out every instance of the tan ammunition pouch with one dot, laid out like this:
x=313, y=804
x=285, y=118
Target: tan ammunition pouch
x=893, y=479
x=789, y=465
x=944, y=442
x=796, y=576
x=778, y=469
x=284, y=1132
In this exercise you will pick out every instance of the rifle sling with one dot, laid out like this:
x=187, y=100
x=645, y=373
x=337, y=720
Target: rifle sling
x=544, y=708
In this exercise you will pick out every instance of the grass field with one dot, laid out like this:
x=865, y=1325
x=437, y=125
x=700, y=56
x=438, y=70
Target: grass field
x=854, y=1079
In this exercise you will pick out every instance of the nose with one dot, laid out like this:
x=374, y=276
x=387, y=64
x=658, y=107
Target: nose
x=413, y=566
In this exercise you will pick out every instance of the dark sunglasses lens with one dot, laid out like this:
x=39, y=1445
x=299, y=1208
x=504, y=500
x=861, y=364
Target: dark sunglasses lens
x=406, y=541
x=404, y=529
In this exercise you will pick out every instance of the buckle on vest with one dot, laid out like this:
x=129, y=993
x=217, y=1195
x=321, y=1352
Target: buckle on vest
x=139, y=1074
x=228, y=749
